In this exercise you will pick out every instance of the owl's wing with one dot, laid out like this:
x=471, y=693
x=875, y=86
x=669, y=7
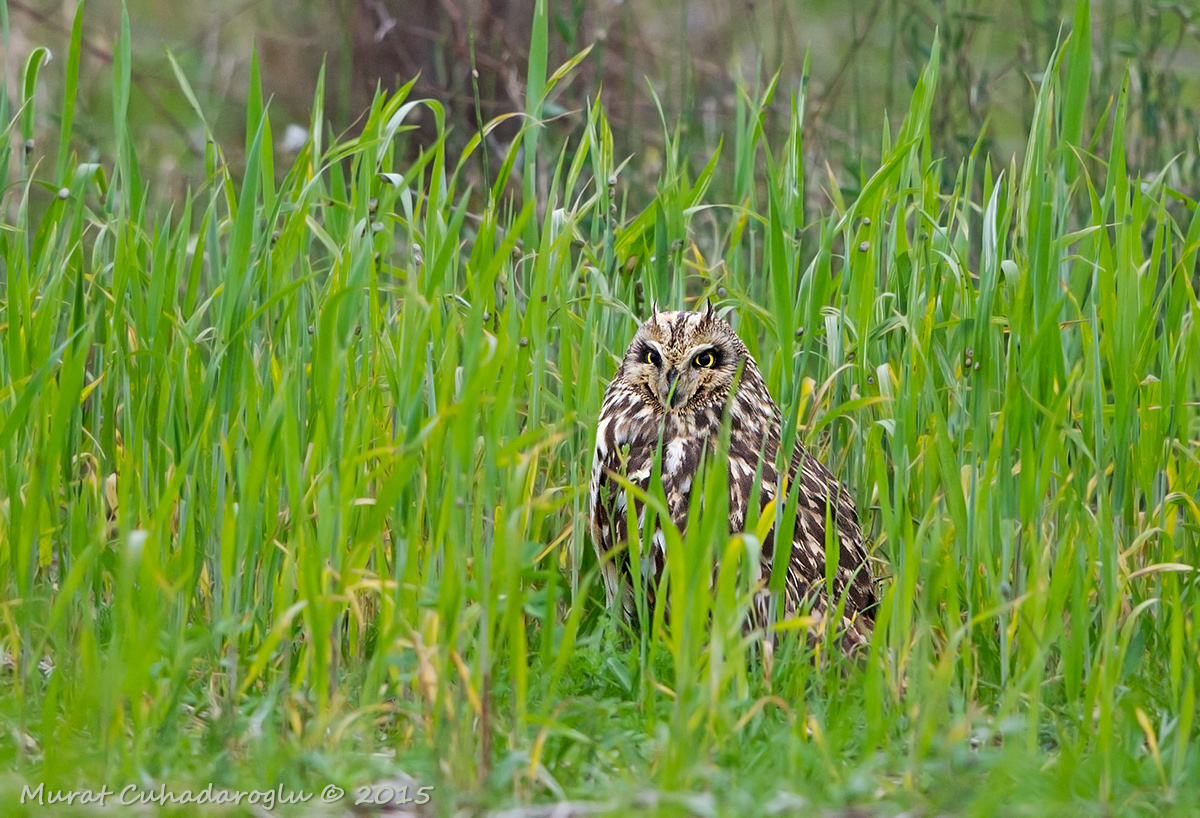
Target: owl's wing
x=625, y=445
x=822, y=497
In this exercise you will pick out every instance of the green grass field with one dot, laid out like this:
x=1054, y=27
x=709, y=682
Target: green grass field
x=293, y=472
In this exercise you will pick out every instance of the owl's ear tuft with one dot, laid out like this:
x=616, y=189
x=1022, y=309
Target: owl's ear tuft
x=654, y=309
x=709, y=312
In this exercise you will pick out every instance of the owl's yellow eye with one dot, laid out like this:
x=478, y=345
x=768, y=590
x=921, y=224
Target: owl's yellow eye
x=652, y=357
x=705, y=360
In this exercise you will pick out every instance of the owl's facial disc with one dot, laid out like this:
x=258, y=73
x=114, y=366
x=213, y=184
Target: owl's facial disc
x=684, y=360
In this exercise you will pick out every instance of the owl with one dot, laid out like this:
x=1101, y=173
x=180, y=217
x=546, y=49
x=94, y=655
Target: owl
x=677, y=380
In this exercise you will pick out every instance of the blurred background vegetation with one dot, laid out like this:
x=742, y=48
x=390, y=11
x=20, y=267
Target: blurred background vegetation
x=864, y=56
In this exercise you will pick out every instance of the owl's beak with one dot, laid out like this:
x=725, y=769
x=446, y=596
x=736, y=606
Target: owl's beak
x=672, y=391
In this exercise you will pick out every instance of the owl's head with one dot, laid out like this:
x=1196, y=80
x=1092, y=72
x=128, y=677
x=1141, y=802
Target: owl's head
x=685, y=360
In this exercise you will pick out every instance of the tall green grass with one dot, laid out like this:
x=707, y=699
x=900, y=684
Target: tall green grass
x=294, y=472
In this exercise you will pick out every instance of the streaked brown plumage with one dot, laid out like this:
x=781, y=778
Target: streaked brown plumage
x=676, y=378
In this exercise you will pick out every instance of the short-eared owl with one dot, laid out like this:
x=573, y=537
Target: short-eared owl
x=676, y=380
